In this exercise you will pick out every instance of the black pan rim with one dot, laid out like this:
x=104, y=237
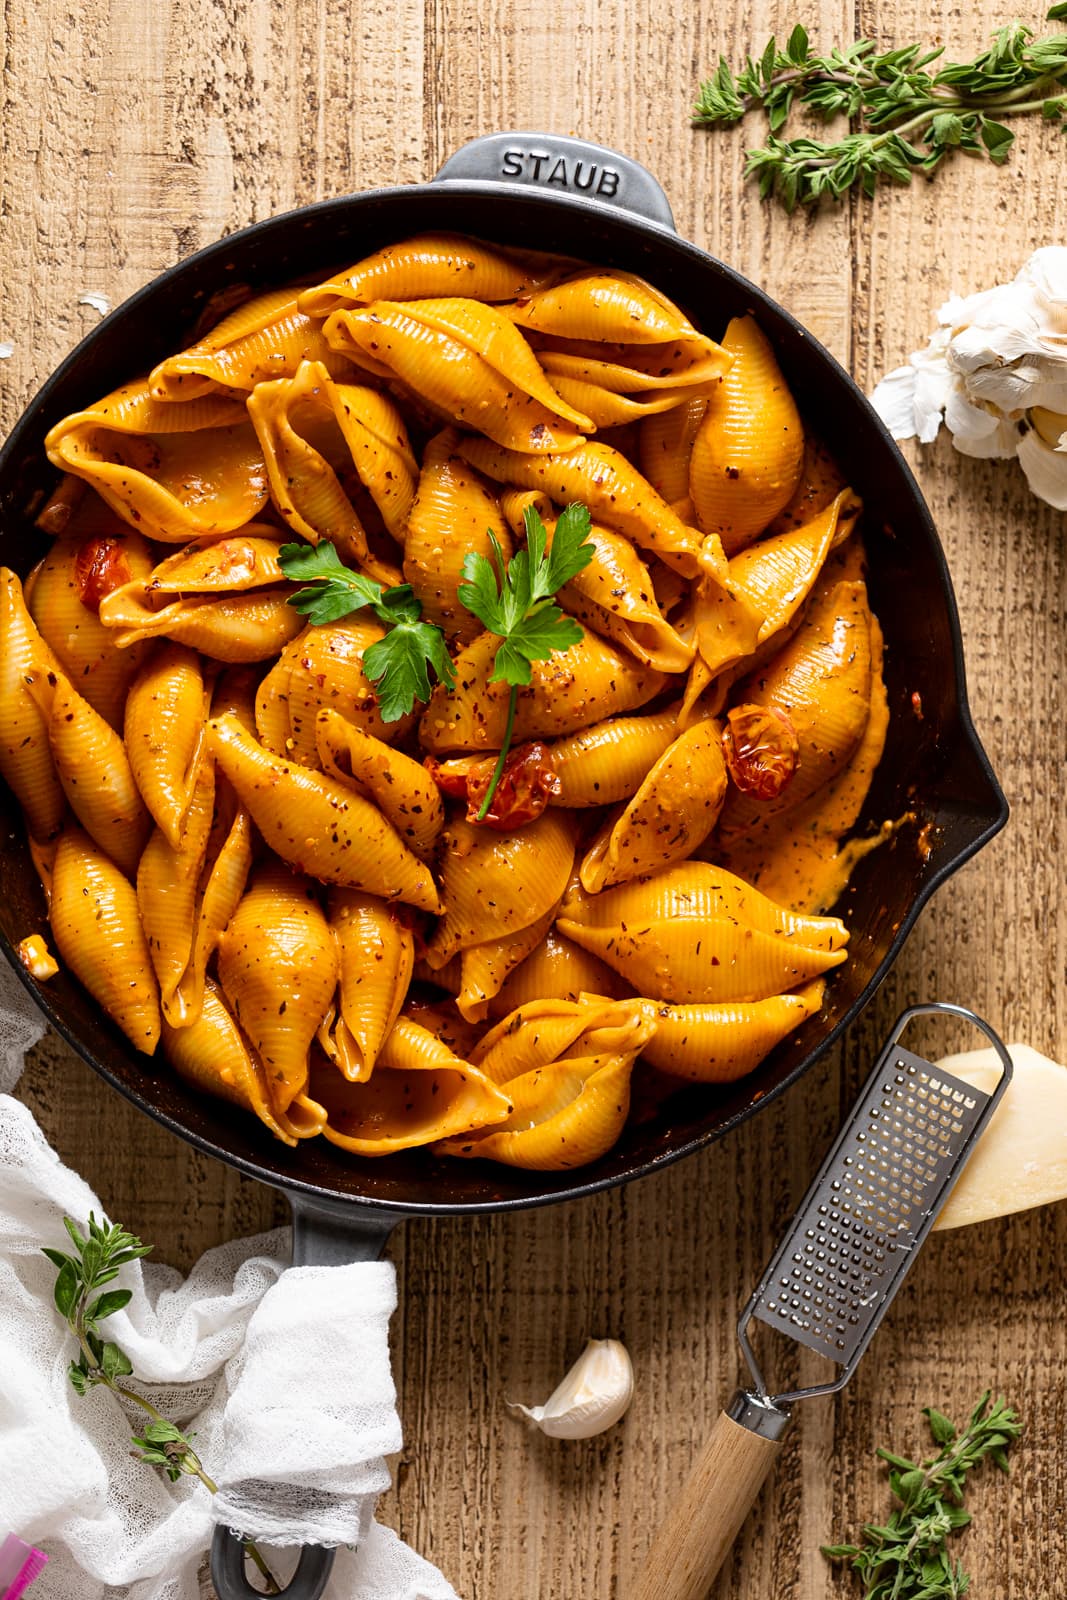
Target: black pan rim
x=995, y=813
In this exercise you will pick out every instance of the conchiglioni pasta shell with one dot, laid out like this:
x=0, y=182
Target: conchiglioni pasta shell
x=496, y=884
x=564, y=1115
x=453, y=514
x=278, y=970
x=776, y=575
x=572, y=689
x=616, y=307
x=401, y=788
x=164, y=731
x=719, y=1044
x=25, y=751
x=322, y=670
x=557, y=970
x=94, y=770
x=748, y=452
x=168, y=878
x=99, y=936
x=536, y=1033
x=431, y=264
x=238, y=628
x=716, y=960
x=318, y=825
x=603, y=480
x=229, y=852
x=821, y=480
x=418, y=1092
x=244, y=560
x=671, y=814
x=605, y=409
x=265, y=339
x=484, y=968
x=607, y=762
x=84, y=646
x=376, y=953
x=727, y=623
x=174, y=471
x=614, y=595
x=684, y=365
x=821, y=682
x=445, y=369
x=666, y=447
x=212, y=1054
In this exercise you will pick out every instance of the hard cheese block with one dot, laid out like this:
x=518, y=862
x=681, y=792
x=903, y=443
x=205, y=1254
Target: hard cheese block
x=1021, y=1159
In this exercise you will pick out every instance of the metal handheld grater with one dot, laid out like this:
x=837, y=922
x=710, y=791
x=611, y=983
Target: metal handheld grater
x=830, y=1283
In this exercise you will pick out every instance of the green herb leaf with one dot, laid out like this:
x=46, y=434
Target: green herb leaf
x=115, y=1363
x=114, y=1300
x=400, y=664
x=66, y=1288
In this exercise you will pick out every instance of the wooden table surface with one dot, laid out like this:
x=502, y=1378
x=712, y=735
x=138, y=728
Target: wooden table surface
x=135, y=131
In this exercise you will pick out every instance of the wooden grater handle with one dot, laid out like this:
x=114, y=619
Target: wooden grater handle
x=695, y=1539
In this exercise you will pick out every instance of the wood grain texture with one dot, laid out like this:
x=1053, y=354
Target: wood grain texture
x=131, y=135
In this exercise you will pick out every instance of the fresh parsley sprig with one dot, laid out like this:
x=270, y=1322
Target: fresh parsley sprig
x=399, y=665
x=905, y=118
x=907, y=1557
x=97, y=1257
x=518, y=604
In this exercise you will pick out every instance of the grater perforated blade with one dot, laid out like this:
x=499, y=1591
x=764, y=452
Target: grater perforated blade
x=830, y=1282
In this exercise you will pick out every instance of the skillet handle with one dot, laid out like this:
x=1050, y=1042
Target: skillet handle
x=325, y=1234
x=562, y=165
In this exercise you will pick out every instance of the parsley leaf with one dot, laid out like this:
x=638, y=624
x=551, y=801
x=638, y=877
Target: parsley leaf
x=399, y=665
x=516, y=602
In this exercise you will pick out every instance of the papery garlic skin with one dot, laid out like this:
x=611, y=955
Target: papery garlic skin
x=591, y=1398
x=995, y=373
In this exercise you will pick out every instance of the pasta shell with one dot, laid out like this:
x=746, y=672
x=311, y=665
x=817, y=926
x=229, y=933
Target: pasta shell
x=25, y=750
x=469, y=363
x=564, y=1115
x=605, y=409
x=164, y=732
x=821, y=682
x=691, y=934
x=167, y=882
x=608, y=762
x=537, y=1033
x=98, y=934
x=672, y=813
x=748, y=452
x=555, y=970
x=821, y=481
x=229, y=851
x=237, y=628
x=484, y=968
x=431, y=264
x=244, y=560
x=376, y=953
x=496, y=884
x=453, y=514
x=614, y=491
x=666, y=447
x=94, y=770
x=321, y=441
x=419, y=1092
x=776, y=575
x=267, y=338
x=401, y=788
x=71, y=581
x=572, y=689
x=616, y=307
x=322, y=670
x=172, y=471
x=685, y=366
x=719, y=1044
x=318, y=825
x=212, y=1054
x=614, y=595
x=278, y=970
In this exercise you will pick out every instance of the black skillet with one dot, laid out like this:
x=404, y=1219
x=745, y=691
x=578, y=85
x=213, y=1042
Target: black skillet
x=557, y=194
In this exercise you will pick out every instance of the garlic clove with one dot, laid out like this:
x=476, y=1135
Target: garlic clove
x=591, y=1398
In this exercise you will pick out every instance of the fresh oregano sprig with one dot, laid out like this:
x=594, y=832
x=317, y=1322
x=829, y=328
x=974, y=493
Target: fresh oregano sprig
x=904, y=118
x=907, y=1558
x=96, y=1259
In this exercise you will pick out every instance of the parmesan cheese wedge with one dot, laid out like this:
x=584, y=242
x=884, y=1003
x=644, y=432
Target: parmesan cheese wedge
x=1021, y=1159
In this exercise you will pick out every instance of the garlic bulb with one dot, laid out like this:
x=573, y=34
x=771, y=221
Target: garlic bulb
x=995, y=372
x=591, y=1398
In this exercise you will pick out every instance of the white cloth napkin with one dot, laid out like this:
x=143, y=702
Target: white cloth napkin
x=282, y=1375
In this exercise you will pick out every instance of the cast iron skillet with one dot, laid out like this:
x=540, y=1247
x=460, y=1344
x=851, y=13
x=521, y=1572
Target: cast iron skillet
x=565, y=195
